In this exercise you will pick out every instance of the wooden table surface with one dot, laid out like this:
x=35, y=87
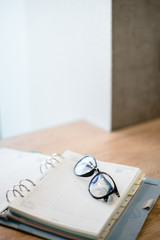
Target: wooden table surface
x=137, y=146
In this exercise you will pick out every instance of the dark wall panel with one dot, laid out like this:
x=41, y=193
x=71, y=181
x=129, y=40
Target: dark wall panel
x=136, y=61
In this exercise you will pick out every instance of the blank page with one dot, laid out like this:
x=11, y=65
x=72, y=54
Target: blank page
x=16, y=165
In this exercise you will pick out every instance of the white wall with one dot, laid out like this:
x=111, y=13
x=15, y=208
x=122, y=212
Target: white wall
x=14, y=87
x=57, y=60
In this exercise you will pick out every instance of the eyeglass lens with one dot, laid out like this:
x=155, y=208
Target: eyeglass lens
x=100, y=185
x=85, y=165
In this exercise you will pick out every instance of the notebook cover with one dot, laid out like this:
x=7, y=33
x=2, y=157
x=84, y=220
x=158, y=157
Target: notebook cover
x=131, y=220
x=134, y=216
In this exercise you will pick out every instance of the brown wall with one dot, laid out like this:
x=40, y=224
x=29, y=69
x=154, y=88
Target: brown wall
x=136, y=61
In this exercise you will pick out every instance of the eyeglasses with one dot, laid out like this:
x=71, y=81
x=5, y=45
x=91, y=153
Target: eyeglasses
x=102, y=184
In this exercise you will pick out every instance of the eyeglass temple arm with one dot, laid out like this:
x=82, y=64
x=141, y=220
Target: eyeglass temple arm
x=115, y=190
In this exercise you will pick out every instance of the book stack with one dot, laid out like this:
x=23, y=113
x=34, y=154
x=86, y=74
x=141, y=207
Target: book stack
x=54, y=203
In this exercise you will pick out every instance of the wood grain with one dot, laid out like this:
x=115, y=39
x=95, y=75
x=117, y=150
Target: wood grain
x=138, y=146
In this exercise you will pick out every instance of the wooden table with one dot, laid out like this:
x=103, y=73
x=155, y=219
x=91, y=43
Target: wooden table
x=137, y=146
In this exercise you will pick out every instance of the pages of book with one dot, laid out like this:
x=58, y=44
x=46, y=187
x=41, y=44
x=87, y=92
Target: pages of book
x=16, y=165
x=61, y=199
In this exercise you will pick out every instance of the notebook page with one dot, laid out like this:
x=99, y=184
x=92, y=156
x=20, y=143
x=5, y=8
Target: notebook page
x=62, y=199
x=16, y=165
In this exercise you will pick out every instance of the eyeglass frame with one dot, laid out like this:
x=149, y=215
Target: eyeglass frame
x=90, y=173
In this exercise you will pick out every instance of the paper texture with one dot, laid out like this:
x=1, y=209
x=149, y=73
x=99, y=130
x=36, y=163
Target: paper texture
x=16, y=165
x=62, y=200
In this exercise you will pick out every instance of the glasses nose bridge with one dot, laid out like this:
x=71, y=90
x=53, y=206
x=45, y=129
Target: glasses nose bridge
x=97, y=169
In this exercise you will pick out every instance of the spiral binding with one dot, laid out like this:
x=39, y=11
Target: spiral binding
x=18, y=188
x=50, y=162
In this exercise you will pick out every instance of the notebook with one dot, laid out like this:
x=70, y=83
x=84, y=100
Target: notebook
x=60, y=202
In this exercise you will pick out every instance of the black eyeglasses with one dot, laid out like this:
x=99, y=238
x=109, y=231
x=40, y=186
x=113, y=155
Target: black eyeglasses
x=102, y=184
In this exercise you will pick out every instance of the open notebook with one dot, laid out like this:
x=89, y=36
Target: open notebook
x=61, y=204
